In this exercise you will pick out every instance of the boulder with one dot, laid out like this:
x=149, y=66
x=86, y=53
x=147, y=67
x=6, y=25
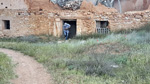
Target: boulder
x=75, y=4
x=69, y=4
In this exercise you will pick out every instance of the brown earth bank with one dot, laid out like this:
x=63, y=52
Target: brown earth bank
x=27, y=69
x=88, y=6
x=127, y=5
x=51, y=7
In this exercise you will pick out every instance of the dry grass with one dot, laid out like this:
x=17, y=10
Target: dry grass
x=115, y=59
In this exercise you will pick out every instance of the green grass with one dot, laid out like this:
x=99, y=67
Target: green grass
x=85, y=37
x=144, y=28
x=31, y=39
x=6, y=69
x=115, y=59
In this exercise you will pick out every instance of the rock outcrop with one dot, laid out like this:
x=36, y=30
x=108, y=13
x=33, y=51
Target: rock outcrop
x=70, y=4
x=75, y=4
x=132, y=5
x=126, y=5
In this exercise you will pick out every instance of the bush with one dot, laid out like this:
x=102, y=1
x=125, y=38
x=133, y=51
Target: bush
x=96, y=64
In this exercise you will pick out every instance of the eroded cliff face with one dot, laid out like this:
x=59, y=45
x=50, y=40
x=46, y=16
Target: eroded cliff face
x=46, y=5
x=41, y=4
x=126, y=5
x=132, y=5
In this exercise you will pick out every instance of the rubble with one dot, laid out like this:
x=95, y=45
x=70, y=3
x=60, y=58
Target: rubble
x=72, y=5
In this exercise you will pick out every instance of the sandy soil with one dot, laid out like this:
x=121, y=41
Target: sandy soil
x=28, y=70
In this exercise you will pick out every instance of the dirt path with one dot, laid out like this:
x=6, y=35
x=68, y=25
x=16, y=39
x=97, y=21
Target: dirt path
x=28, y=70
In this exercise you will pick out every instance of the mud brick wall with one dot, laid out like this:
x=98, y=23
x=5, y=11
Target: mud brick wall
x=40, y=21
x=43, y=17
x=13, y=4
x=24, y=23
x=130, y=20
x=19, y=22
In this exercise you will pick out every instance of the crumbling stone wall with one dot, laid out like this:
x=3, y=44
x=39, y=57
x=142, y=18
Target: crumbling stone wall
x=43, y=21
x=130, y=20
x=13, y=4
x=132, y=5
x=18, y=23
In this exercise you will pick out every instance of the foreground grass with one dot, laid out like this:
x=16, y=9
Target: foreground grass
x=116, y=59
x=6, y=69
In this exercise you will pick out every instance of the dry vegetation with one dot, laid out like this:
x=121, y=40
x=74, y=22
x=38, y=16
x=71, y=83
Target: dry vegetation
x=6, y=69
x=115, y=59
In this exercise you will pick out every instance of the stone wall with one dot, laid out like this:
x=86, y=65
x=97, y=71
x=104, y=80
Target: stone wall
x=130, y=20
x=18, y=23
x=13, y=4
x=39, y=21
x=132, y=5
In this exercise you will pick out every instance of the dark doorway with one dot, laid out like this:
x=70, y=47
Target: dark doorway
x=72, y=30
x=6, y=24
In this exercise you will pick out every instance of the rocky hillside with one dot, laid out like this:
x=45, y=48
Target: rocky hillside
x=132, y=5
x=127, y=5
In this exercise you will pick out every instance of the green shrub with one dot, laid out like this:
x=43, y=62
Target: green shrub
x=6, y=69
x=95, y=64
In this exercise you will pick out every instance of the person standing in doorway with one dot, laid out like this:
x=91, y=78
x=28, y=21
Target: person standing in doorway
x=66, y=27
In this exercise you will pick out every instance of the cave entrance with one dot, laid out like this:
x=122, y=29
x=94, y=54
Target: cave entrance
x=73, y=29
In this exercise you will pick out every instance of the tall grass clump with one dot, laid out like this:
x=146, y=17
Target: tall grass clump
x=6, y=69
x=144, y=28
x=31, y=39
x=95, y=64
x=85, y=37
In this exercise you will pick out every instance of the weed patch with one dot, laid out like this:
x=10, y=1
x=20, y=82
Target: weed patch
x=85, y=37
x=6, y=69
x=115, y=59
x=31, y=39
